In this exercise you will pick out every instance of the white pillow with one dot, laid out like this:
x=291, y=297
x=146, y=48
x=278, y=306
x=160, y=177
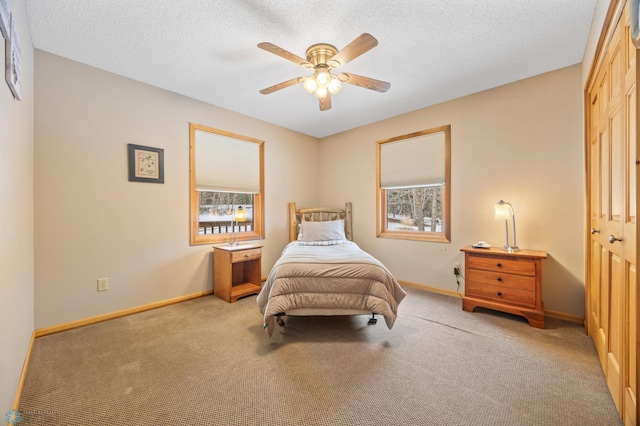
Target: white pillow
x=322, y=231
x=321, y=243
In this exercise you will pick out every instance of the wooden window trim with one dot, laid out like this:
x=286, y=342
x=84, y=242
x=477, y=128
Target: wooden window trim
x=381, y=195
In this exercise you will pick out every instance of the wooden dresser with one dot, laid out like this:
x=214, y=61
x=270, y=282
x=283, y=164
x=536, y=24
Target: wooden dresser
x=507, y=282
x=236, y=271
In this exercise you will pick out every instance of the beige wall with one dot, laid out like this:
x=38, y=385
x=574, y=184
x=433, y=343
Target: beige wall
x=16, y=217
x=522, y=143
x=90, y=222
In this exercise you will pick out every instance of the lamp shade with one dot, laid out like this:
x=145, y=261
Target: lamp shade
x=240, y=215
x=323, y=79
x=334, y=85
x=321, y=92
x=502, y=210
x=310, y=84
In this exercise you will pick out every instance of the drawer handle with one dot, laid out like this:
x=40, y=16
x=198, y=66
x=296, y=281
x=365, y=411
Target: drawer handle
x=500, y=293
x=499, y=265
x=500, y=279
x=594, y=231
x=247, y=255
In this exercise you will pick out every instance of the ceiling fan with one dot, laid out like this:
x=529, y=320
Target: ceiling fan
x=323, y=58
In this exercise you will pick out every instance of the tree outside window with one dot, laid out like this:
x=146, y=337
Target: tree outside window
x=216, y=212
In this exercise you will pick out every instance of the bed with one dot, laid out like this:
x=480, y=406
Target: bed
x=323, y=272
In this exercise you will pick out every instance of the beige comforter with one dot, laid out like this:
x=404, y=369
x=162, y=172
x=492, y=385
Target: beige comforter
x=339, y=276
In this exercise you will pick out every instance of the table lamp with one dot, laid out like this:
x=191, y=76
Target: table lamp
x=240, y=216
x=504, y=211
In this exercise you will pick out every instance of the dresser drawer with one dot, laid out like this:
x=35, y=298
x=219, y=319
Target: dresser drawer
x=513, y=296
x=503, y=280
x=511, y=266
x=244, y=255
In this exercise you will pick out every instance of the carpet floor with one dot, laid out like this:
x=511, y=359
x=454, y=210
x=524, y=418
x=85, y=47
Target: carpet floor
x=208, y=362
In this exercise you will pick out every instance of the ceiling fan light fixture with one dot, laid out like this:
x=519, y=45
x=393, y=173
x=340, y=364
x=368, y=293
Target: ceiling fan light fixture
x=324, y=58
x=310, y=84
x=321, y=92
x=323, y=79
x=334, y=85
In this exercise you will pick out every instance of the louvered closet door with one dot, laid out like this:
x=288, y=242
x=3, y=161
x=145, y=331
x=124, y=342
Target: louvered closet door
x=611, y=296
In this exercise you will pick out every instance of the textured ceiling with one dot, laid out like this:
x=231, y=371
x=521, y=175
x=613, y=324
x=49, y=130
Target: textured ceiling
x=430, y=51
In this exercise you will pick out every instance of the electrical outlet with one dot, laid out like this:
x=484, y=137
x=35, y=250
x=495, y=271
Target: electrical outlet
x=457, y=268
x=103, y=284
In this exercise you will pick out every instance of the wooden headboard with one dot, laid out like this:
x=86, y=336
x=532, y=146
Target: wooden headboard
x=319, y=214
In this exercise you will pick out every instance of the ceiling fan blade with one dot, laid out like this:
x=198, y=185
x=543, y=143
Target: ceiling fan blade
x=325, y=103
x=357, y=47
x=282, y=85
x=366, y=82
x=269, y=47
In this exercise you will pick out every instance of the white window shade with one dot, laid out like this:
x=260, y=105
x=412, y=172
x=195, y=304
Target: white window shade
x=415, y=162
x=226, y=164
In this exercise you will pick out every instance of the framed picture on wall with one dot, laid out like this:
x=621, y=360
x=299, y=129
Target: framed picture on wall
x=146, y=164
x=5, y=8
x=12, y=62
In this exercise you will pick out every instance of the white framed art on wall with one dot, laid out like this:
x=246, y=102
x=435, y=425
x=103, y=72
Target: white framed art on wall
x=5, y=9
x=12, y=62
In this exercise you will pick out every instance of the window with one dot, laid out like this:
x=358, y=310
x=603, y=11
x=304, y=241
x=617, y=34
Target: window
x=226, y=173
x=413, y=175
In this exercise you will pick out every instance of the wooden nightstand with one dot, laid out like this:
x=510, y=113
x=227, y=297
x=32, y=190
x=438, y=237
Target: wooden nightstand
x=507, y=282
x=236, y=271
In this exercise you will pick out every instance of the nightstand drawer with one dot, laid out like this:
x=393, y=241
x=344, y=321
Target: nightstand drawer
x=510, y=266
x=503, y=280
x=501, y=294
x=244, y=255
